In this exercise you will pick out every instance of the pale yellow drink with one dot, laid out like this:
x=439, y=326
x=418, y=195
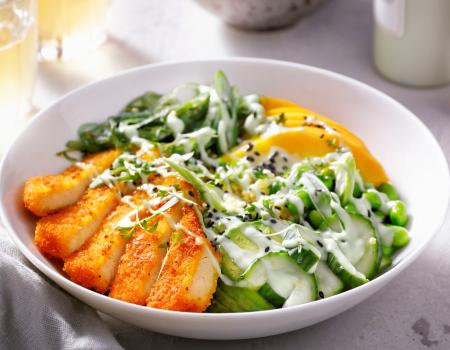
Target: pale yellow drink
x=68, y=27
x=18, y=49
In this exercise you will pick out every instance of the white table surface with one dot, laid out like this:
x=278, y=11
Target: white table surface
x=413, y=312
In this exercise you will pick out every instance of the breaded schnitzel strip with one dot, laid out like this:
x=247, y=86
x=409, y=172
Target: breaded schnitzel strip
x=95, y=264
x=64, y=232
x=188, y=278
x=140, y=265
x=46, y=194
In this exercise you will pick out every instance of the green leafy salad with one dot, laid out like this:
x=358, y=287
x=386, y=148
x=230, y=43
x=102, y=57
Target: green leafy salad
x=288, y=229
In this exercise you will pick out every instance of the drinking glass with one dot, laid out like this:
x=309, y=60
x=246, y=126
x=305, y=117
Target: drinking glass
x=18, y=49
x=70, y=27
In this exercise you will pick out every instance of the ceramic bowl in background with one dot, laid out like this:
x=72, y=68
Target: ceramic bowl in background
x=260, y=14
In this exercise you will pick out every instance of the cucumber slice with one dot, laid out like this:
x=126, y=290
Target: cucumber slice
x=361, y=245
x=217, y=307
x=342, y=267
x=228, y=266
x=228, y=302
x=344, y=169
x=271, y=296
x=328, y=283
x=305, y=257
x=303, y=247
x=286, y=279
x=303, y=293
x=238, y=299
x=238, y=237
x=369, y=263
x=243, y=245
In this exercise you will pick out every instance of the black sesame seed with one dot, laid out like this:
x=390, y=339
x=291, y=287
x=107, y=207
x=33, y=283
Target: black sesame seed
x=277, y=207
x=285, y=159
x=190, y=205
x=322, y=136
x=273, y=221
x=250, y=158
x=319, y=243
x=155, y=189
x=267, y=249
x=249, y=147
x=321, y=294
x=257, y=153
x=191, y=193
x=343, y=240
x=268, y=238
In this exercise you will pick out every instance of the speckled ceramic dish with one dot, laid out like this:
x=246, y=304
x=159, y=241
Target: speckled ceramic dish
x=260, y=14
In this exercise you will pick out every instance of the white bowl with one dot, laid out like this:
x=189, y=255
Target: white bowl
x=406, y=148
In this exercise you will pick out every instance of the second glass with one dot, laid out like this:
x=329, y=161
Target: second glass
x=69, y=27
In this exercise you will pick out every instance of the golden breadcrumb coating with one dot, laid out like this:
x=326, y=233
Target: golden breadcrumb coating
x=172, y=267
x=95, y=264
x=140, y=265
x=46, y=194
x=64, y=232
x=188, y=278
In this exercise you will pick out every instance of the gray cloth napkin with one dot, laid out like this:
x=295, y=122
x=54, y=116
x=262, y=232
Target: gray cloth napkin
x=36, y=314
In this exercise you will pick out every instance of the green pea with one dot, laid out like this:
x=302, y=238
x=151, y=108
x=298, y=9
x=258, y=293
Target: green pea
x=397, y=214
x=379, y=214
x=385, y=262
x=350, y=208
x=357, y=193
x=334, y=223
x=327, y=177
x=328, y=182
x=374, y=199
x=315, y=218
x=400, y=237
x=292, y=209
x=304, y=196
x=387, y=251
x=302, y=169
x=390, y=191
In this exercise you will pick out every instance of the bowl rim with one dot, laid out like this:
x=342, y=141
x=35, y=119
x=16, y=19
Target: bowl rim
x=374, y=284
